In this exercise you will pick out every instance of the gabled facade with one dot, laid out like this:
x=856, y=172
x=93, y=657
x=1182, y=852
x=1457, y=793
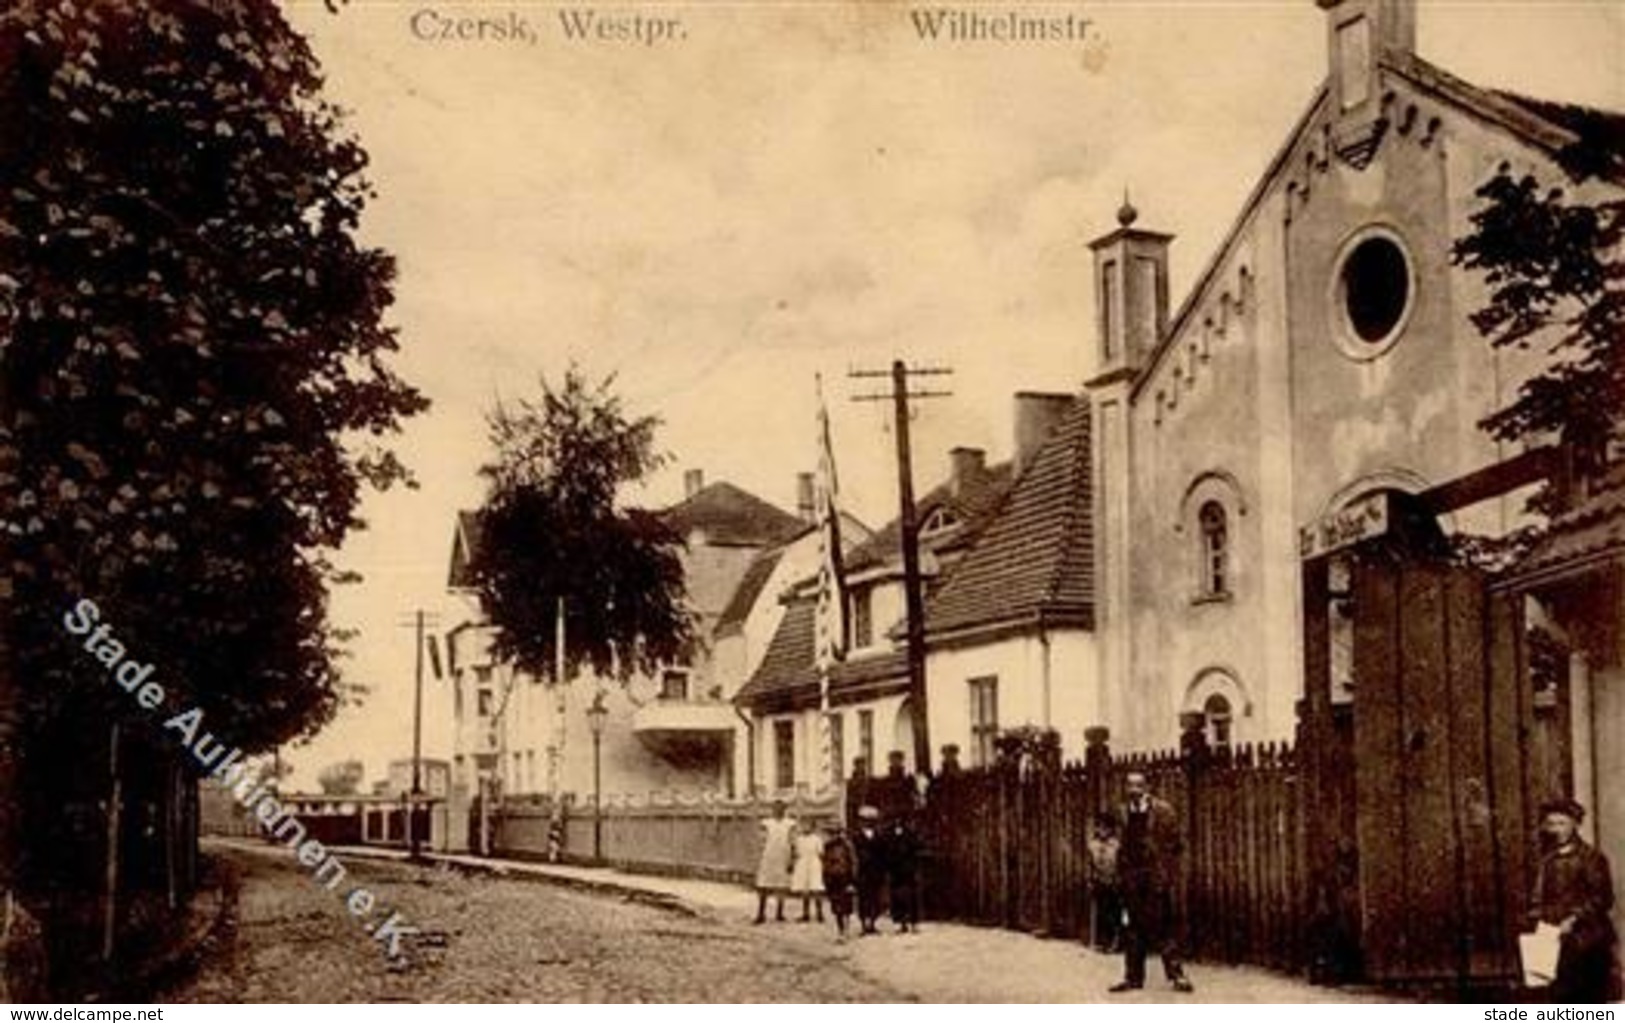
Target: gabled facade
x=1324, y=360
x=1010, y=633
x=869, y=714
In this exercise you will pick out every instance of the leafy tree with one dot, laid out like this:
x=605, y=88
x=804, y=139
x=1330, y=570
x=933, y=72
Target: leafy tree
x=1553, y=266
x=197, y=335
x=342, y=778
x=196, y=383
x=552, y=529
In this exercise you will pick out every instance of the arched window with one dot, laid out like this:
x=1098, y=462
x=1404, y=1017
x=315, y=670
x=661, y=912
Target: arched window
x=1219, y=699
x=1216, y=721
x=1215, y=552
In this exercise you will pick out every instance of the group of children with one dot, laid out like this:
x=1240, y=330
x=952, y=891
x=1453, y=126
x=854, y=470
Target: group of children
x=874, y=867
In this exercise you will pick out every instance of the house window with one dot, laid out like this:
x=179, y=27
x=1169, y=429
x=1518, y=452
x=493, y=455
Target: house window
x=784, y=754
x=1215, y=564
x=484, y=708
x=674, y=685
x=863, y=617
x=866, y=739
x=837, y=745
x=984, y=719
x=1216, y=717
x=457, y=697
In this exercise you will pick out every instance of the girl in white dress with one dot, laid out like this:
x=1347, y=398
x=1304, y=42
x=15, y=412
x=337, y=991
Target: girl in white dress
x=773, y=869
x=807, y=876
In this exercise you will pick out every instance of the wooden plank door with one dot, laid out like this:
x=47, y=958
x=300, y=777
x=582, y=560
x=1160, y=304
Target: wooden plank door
x=1429, y=773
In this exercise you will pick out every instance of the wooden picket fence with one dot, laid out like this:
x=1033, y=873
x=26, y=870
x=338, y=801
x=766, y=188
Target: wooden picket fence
x=1007, y=845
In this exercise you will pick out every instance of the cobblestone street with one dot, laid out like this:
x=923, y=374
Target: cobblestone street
x=289, y=939
x=286, y=938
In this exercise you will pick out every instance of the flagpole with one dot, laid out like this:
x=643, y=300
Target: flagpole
x=831, y=629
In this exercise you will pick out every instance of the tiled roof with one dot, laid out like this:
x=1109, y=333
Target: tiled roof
x=1588, y=534
x=730, y=517
x=1035, y=560
x=749, y=588
x=1599, y=134
x=787, y=675
x=975, y=502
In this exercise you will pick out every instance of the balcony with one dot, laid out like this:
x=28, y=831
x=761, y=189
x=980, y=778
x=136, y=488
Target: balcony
x=686, y=731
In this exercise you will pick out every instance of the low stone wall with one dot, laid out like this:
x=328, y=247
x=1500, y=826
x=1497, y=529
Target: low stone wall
x=715, y=839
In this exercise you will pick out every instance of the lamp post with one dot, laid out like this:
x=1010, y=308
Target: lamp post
x=596, y=715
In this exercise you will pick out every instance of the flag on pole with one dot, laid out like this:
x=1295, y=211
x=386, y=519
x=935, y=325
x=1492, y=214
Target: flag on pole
x=831, y=629
x=434, y=656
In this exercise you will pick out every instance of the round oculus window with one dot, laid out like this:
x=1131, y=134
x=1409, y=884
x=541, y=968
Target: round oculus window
x=1374, y=287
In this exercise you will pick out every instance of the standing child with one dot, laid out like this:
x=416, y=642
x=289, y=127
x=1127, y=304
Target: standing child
x=870, y=848
x=840, y=863
x=773, y=869
x=1106, y=893
x=807, y=876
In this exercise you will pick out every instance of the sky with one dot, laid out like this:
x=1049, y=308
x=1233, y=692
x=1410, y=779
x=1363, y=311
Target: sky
x=797, y=188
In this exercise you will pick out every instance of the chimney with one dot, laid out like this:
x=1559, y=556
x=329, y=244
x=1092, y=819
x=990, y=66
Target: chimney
x=806, y=507
x=1036, y=415
x=967, y=465
x=693, y=482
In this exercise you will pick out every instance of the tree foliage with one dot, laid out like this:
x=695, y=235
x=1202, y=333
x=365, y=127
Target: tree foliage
x=552, y=529
x=1552, y=262
x=341, y=779
x=197, y=385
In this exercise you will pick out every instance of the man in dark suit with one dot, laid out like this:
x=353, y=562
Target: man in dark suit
x=1574, y=892
x=1148, y=871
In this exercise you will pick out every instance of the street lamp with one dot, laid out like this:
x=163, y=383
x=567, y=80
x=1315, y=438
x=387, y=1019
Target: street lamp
x=596, y=715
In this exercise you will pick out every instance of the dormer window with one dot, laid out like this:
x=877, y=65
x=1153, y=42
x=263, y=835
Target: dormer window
x=940, y=520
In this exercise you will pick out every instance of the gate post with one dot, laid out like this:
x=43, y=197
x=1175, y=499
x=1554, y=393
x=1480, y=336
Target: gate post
x=1194, y=759
x=1097, y=762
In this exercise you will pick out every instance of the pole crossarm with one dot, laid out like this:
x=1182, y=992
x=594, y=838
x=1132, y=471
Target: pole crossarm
x=888, y=396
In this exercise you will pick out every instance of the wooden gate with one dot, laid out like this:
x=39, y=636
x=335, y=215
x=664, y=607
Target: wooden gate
x=1439, y=754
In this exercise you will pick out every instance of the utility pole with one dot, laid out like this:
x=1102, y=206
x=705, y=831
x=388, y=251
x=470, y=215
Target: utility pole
x=418, y=622
x=913, y=592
